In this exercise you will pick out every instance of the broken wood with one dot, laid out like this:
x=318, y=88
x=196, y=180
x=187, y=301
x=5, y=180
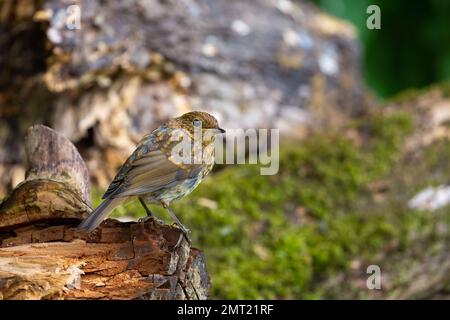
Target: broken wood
x=116, y=261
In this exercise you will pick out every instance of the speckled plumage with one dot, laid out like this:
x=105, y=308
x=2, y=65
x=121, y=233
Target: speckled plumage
x=153, y=174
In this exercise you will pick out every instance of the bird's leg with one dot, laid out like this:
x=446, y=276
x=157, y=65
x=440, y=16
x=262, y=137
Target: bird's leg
x=178, y=222
x=150, y=214
x=147, y=210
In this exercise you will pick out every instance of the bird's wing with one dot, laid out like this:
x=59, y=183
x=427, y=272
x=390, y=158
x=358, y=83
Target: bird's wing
x=149, y=169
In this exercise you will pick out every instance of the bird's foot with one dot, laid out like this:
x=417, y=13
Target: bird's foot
x=188, y=238
x=184, y=233
x=148, y=218
x=185, y=230
x=180, y=239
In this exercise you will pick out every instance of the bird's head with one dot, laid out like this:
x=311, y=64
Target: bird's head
x=200, y=120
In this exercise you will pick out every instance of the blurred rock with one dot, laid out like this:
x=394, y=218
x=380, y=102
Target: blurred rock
x=132, y=65
x=431, y=198
x=431, y=111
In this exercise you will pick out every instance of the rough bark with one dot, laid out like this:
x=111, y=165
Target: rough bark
x=44, y=256
x=117, y=261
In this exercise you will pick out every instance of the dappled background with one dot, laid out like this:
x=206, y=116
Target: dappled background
x=363, y=115
x=412, y=49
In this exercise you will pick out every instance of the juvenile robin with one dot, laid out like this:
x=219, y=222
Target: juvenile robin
x=159, y=170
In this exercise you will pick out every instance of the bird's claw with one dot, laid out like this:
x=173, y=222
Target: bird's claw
x=144, y=219
x=183, y=228
x=148, y=218
x=184, y=233
x=188, y=239
x=180, y=240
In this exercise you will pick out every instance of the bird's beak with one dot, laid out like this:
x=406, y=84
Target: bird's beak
x=221, y=130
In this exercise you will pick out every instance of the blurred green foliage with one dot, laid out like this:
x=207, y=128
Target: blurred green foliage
x=412, y=48
x=279, y=236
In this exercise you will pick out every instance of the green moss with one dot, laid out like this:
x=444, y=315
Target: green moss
x=279, y=236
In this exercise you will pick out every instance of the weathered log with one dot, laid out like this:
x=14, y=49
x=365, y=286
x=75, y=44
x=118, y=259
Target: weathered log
x=44, y=256
x=117, y=261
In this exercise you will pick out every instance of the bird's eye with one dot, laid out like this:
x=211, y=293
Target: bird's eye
x=197, y=123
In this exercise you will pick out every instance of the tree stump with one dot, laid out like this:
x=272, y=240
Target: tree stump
x=44, y=256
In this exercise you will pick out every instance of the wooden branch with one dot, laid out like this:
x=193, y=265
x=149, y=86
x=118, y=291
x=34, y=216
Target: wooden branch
x=52, y=156
x=57, y=183
x=44, y=256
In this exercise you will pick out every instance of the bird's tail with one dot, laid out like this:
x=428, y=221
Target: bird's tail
x=97, y=216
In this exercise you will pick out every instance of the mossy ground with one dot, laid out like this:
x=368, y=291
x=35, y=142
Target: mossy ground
x=334, y=200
